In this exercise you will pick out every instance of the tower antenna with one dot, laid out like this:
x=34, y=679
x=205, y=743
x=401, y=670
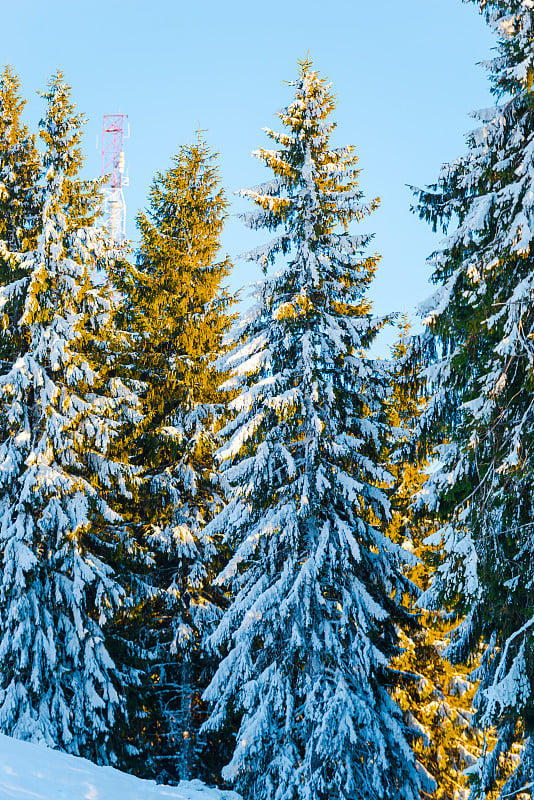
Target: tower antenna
x=113, y=170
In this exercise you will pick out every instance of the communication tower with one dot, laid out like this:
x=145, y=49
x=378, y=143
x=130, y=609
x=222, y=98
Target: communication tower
x=113, y=136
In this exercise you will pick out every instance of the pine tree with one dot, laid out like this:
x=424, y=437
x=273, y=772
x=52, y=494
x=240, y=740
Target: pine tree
x=60, y=413
x=178, y=308
x=315, y=583
x=19, y=206
x=478, y=341
x=436, y=696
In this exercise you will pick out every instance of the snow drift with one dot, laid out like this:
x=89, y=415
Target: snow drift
x=34, y=772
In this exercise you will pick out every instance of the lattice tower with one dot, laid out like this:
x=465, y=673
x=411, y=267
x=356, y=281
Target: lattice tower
x=113, y=169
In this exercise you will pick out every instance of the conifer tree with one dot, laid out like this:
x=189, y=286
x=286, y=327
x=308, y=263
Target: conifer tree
x=178, y=308
x=436, y=696
x=60, y=413
x=315, y=583
x=19, y=202
x=481, y=410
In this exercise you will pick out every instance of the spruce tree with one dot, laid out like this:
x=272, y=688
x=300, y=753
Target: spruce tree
x=177, y=307
x=480, y=359
x=60, y=414
x=315, y=583
x=435, y=696
x=19, y=207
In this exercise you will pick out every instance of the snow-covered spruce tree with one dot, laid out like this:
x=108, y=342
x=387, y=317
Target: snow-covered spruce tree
x=19, y=204
x=316, y=585
x=177, y=307
x=480, y=325
x=59, y=417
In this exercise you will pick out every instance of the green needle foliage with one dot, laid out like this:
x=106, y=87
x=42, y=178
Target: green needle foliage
x=314, y=582
x=20, y=206
x=436, y=700
x=177, y=307
x=479, y=353
x=60, y=413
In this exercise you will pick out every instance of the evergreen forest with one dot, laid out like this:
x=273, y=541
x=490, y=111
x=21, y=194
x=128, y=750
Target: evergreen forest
x=237, y=546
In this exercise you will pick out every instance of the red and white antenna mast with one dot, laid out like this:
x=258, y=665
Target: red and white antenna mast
x=113, y=136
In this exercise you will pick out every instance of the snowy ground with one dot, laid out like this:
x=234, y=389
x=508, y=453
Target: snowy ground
x=31, y=772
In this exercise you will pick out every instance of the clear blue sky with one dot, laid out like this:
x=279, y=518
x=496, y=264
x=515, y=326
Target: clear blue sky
x=405, y=74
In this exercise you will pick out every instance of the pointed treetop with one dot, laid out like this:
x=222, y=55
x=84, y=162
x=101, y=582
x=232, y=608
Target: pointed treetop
x=11, y=104
x=312, y=105
x=61, y=129
x=315, y=188
x=19, y=172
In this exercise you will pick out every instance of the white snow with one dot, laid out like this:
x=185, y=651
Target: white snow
x=35, y=772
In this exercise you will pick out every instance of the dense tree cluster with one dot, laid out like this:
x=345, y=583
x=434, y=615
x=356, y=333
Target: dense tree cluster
x=247, y=550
